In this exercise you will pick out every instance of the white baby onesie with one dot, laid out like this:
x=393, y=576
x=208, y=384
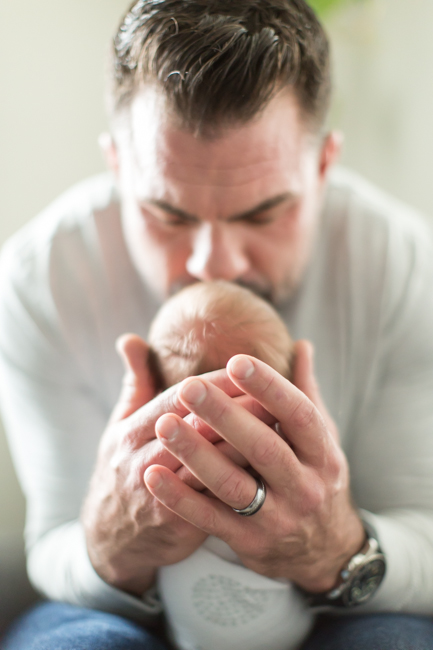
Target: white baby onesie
x=212, y=602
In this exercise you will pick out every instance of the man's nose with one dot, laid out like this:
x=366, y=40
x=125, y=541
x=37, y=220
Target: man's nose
x=217, y=254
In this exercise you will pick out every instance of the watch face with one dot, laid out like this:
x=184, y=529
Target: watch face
x=365, y=582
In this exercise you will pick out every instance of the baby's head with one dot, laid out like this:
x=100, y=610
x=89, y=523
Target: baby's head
x=203, y=326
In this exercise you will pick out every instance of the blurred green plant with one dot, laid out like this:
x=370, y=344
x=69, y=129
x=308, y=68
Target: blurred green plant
x=324, y=6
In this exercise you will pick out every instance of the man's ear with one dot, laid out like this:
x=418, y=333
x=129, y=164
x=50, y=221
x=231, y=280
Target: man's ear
x=109, y=151
x=330, y=152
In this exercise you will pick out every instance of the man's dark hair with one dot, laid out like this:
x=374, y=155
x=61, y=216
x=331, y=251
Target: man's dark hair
x=220, y=62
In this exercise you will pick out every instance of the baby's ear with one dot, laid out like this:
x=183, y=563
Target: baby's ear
x=155, y=369
x=290, y=363
x=138, y=386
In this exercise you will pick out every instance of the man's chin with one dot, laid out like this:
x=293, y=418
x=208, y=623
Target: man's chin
x=262, y=291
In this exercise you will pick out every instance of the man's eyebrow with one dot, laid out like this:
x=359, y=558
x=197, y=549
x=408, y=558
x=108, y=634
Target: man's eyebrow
x=176, y=212
x=261, y=207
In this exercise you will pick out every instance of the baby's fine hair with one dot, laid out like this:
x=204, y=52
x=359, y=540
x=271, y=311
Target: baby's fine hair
x=200, y=328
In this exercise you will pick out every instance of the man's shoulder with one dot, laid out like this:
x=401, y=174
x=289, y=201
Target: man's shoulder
x=61, y=246
x=368, y=211
x=69, y=216
x=67, y=284
x=380, y=248
x=55, y=262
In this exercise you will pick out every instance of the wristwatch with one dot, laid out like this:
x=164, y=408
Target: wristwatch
x=358, y=580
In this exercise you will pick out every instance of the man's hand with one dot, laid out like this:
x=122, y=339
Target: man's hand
x=307, y=528
x=129, y=533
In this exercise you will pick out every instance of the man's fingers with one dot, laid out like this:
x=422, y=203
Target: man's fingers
x=141, y=424
x=221, y=380
x=137, y=413
x=226, y=480
x=155, y=453
x=139, y=428
x=303, y=377
x=300, y=420
x=248, y=403
x=265, y=451
x=138, y=385
x=210, y=515
x=224, y=448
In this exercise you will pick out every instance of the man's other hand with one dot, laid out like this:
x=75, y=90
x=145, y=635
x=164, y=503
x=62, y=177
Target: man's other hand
x=130, y=533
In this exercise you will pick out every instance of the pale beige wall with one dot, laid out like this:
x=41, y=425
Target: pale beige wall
x=51, y=111
x=383, y=54
x=52, y=56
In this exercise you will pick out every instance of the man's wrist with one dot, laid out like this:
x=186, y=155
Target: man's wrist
x=358, y=579
x=130, y=579
x=137, y=586
x=326, y=573
x=354, y=545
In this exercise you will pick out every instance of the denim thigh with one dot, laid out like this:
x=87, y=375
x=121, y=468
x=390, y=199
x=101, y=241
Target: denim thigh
x=371, y=632
x=58, y=626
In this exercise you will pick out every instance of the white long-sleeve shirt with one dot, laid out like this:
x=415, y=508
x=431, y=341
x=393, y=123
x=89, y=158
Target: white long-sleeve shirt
x=68, y=289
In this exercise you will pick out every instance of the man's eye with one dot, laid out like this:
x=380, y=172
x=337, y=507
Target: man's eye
x=258, y=220
x=173, y=221
x=165, y=218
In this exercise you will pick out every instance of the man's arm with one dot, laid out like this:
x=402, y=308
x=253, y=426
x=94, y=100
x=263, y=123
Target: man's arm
x=54, y=418
x=129, y=533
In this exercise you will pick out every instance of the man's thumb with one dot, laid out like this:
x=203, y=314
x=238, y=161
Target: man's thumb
x=138, y=384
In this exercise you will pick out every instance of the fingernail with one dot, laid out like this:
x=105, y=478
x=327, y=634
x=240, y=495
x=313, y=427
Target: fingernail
x=194, y=392
x=167, y=428
x=153, y=479
x=242, y=368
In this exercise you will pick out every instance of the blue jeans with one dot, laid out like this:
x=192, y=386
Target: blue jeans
x=54, y=626
x=371, y=632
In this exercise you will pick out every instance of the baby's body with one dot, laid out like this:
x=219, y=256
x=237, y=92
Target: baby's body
x=211, y=600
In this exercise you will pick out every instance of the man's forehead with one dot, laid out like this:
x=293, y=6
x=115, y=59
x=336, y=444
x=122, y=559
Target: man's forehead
x=273, y=141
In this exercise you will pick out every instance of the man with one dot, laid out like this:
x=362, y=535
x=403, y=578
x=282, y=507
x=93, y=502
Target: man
x=222, y=171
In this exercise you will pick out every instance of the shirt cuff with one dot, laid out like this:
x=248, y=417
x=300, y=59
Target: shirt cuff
x=74, y=579
x=406, y=539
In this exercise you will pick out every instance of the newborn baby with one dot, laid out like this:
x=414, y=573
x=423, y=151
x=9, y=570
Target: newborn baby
x=202, y=327
x=211, y=600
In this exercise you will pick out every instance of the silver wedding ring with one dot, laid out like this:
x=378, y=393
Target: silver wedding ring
x=256, y=503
